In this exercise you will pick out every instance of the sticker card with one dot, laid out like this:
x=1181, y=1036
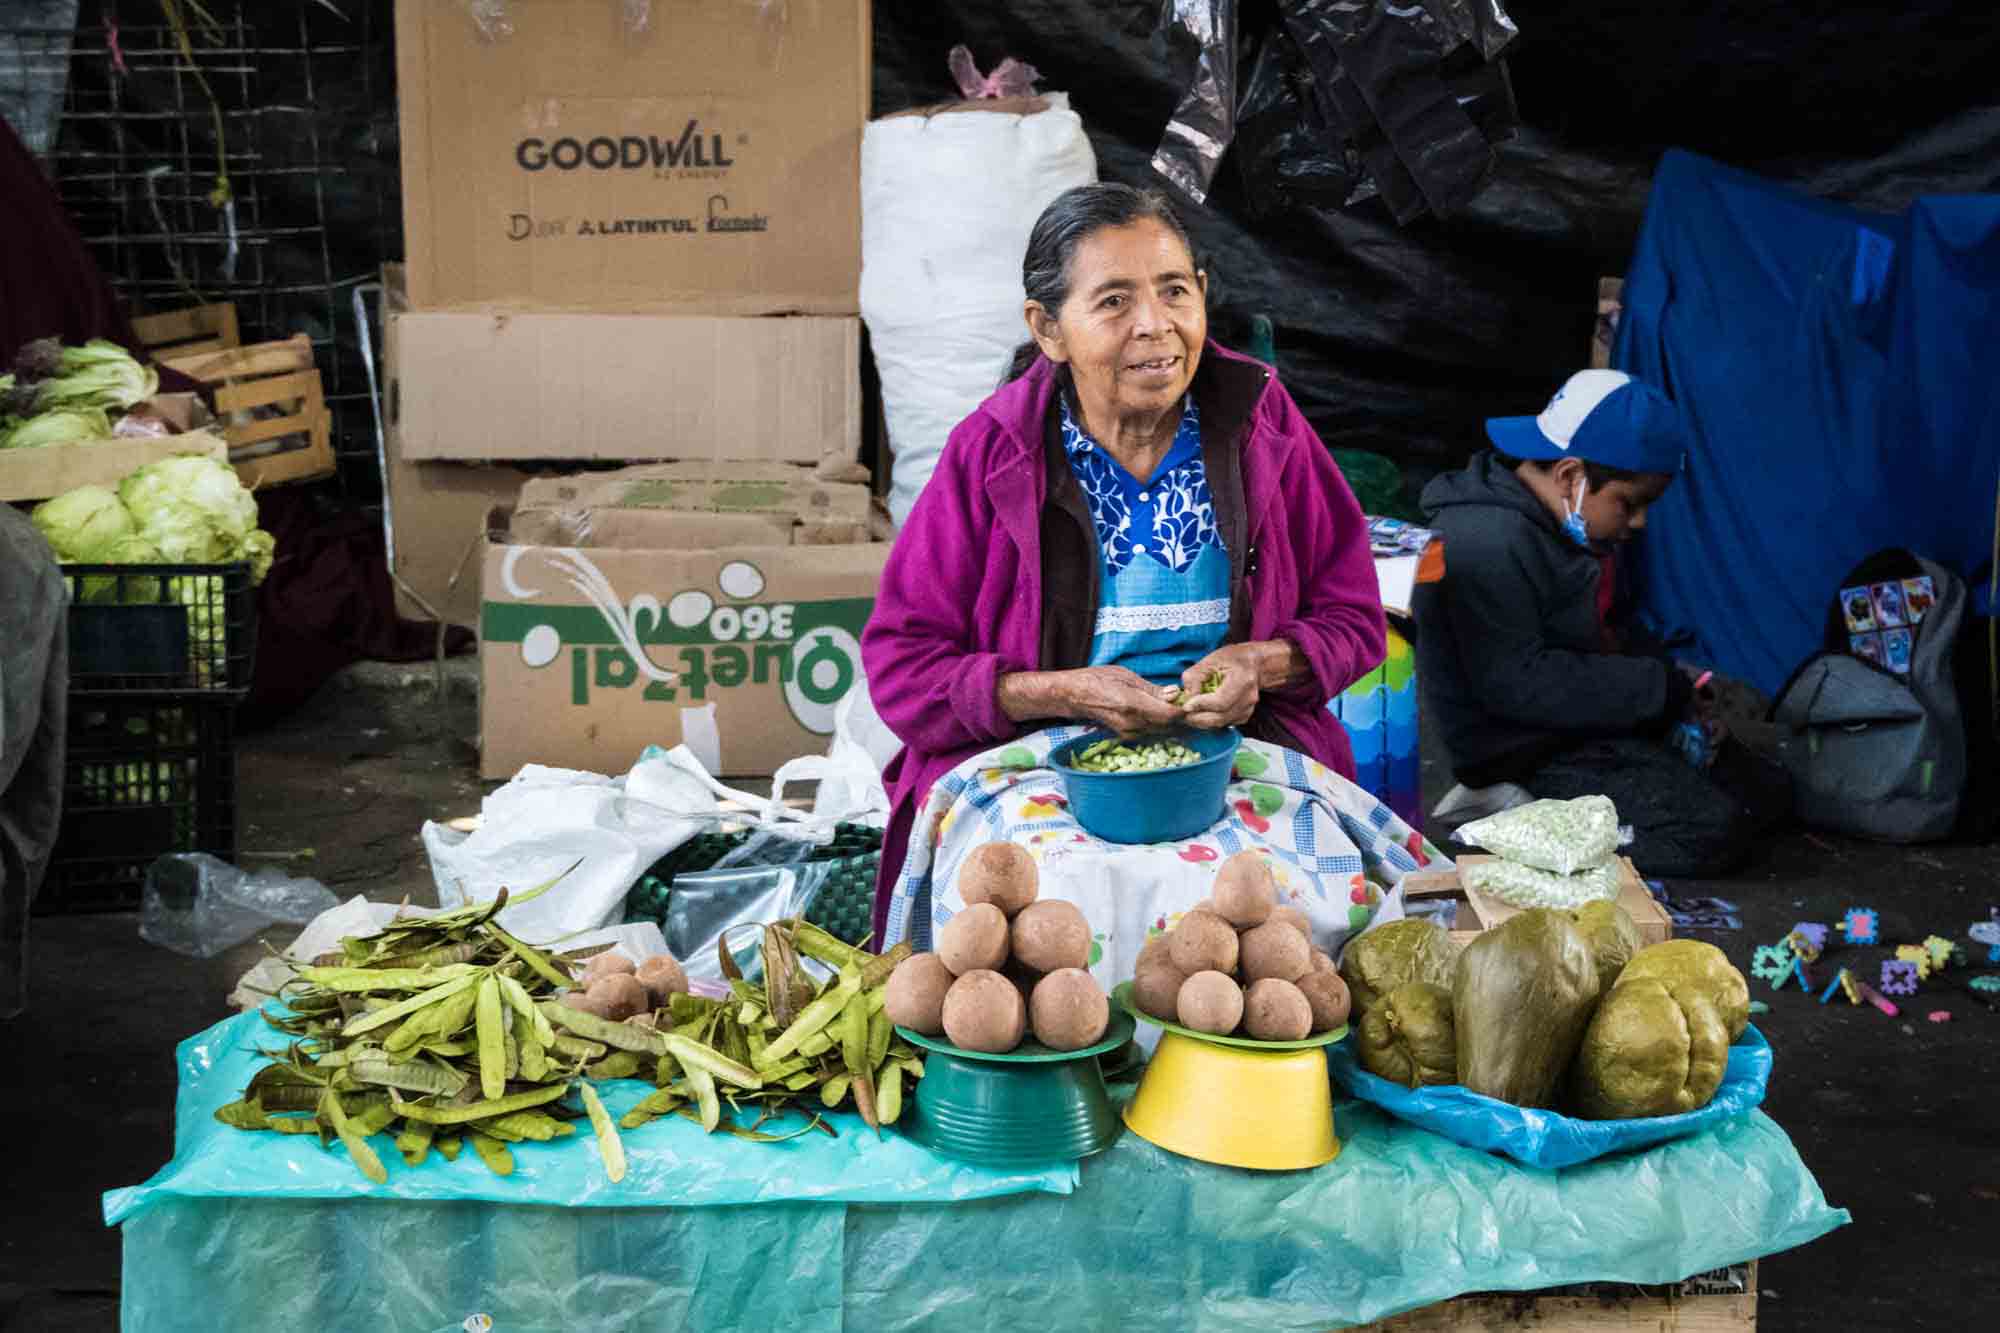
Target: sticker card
x=1896, y=645
x=1888, y=599
x=1859, y=611
x=1867, y=647
x=1919, y=596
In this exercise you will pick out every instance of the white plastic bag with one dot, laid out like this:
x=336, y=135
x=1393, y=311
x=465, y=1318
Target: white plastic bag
x=605, y=832
x=947, y=202
x=850, y=772
x=198, y=905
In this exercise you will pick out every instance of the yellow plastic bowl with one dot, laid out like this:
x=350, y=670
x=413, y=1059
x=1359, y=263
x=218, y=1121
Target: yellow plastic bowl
x=1264, y=1110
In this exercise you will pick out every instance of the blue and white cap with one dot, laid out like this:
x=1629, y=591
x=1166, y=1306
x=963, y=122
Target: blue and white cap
x=1600, y=416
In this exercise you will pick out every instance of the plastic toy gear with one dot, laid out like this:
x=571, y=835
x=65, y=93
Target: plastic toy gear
x=1916, y=956
x=1990, y=984
x=1808, y=940
x=1939, y=1015
x=1859, y=925
x=1942, y=951
x=1772, y=963
x=1899, y=977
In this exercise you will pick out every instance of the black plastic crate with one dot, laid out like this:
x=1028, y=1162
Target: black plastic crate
x=142, y=777
x=161, y=629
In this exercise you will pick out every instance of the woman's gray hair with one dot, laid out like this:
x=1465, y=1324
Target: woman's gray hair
x=1072, y=217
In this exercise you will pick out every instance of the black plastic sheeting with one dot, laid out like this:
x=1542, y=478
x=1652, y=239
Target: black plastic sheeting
x=1402, y=339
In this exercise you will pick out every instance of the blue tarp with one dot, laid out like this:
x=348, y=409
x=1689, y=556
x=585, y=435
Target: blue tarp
x=1842, y=378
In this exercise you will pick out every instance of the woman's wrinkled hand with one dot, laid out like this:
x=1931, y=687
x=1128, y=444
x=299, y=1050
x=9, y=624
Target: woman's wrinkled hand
x=1234, y=699
x=1122, y=701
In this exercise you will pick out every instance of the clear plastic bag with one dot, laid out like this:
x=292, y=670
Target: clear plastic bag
x=1525, y=887
x=711, y=904
x=197, y=905
x=1561, y=837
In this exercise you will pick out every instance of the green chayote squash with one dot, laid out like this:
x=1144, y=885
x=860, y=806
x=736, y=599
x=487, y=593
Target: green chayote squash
x=1521, y=998
x=1613, y=939
x=1695, y=965
x=1407, y=1037
x=1650, y=1050
x=1402, y=951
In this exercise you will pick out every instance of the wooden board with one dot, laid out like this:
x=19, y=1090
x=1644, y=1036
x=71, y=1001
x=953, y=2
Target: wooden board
x=1693, y=1306
x=1480, y=911
x=193, y=331
x=272, y=406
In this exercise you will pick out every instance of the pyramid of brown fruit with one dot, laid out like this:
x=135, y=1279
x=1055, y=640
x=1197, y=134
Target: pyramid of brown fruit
x=1008, y=966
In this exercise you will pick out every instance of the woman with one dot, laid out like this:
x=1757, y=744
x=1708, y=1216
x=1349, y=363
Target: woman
x=1135, y=509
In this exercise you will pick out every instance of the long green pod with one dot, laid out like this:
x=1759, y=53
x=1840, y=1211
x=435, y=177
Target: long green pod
x=357, y=1146
x=415, y=1141
x=409, y=1076
x=383, y=1017
x=492, y=1152
x=536, y=960
x=889, y=1096
x=703, y=1084
x=492, y=1041
x=815, y=1016
x=608, y=1142
x=517, y=995
x=624, y=1036
x=496, y=1106
x=358, y=980
x=691, y=1055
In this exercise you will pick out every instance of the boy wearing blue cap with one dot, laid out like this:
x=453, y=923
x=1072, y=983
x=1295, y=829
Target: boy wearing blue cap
x=1520, y=654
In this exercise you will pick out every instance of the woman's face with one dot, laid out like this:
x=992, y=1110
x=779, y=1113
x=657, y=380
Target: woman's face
x=1134, y=323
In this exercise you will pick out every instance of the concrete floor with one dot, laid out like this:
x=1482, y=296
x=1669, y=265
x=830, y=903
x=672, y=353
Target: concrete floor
x=1899, y=1119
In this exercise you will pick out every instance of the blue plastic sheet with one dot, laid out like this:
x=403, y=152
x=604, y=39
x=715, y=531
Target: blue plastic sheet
x=669, y=1162
x=1401, y=1219
x=1547, y=1139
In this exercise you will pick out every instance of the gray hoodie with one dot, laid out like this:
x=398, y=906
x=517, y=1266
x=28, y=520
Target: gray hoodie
x=1510, y=653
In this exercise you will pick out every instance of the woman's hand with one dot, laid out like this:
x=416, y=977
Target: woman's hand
x=1247, y=669
x=1122, y=701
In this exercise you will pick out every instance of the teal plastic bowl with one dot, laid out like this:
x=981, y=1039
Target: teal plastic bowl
x=1158, y=805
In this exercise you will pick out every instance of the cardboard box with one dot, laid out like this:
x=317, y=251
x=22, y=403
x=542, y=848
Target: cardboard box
x=711, y=161
x=437, y=521
x=1478, y=911
x=40, y=474
x=759, y=645
x=771, y=489
x=625, y=387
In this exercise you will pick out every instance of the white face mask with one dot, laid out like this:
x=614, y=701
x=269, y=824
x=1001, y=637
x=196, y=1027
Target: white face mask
x=1573, y=525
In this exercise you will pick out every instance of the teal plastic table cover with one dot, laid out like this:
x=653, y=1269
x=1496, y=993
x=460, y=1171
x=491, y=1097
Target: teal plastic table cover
x=1402, y=1218
x=669, y=1161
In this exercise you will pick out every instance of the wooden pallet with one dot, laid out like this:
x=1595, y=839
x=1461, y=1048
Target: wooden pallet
x=1479, y=911
x=1704, y=1304
x=272, y=409
x=195, y=331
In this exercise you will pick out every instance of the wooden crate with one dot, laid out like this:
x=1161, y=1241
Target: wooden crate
x=272, y=409
x=1479, y=911
x=195, y=331
x=1721, y=1302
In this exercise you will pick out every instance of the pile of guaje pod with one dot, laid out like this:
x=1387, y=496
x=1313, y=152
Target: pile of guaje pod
x=448, y=1030
x=1008, y=965
x=1240, y=963
x=1551, y=1009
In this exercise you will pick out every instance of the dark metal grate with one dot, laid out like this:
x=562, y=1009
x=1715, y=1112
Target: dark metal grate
x=305, y=100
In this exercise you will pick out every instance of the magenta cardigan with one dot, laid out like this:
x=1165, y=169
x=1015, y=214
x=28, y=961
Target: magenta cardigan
x=962, y=603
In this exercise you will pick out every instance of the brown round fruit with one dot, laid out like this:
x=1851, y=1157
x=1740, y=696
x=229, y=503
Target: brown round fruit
x=1025, y=978
x=999, y=873
x=580, y=1000
x=607, y=964
x=974, y=941
x=1293, y=917
x=914, y=997
x=983, y=1012
x=1068, y=1010
x=1203, y=942
x=662, y=977
x=1155, y=948
x=1327, y=994
x=1244, y=890
x=1274, y=949
x=1051, y=935
x=621, y=994
x=1156, y=989
x=1323, y=962
x=1275, y=1010
x=1210, y=1002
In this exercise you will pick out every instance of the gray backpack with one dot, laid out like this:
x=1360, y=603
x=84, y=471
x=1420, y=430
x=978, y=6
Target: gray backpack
x=1875, y=740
